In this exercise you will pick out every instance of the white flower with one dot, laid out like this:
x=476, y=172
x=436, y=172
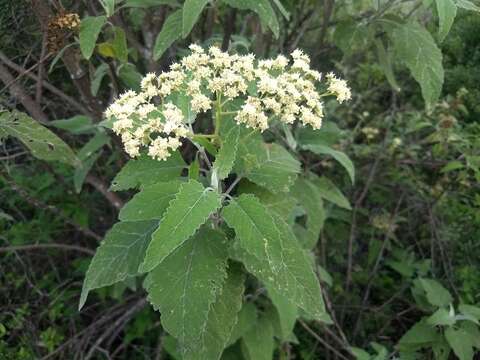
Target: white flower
x=339, y=88
x=279, y=87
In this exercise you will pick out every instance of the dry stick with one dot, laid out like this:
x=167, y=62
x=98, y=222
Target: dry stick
x=17, y=91
x=320, y=340
x=47, y=246
x=376, y=266
x=122, y=319
x=45, y=84
x=447, y=264
x=41, y=70
x=100, y=186
x=50, y=208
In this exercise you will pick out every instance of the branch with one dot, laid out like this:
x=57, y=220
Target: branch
x=17, y=91
x=50, y=208
x=100, y=186
x=47, y=246
x=45, y=84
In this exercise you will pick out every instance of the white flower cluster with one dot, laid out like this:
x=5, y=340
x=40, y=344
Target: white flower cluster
x=140, y=123
x=273, y=89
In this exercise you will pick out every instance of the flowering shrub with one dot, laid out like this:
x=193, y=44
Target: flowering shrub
x=197, y=238
x=265, y=90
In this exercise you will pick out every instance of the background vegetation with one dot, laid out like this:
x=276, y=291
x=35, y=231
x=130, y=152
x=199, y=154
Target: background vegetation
x=398, y=253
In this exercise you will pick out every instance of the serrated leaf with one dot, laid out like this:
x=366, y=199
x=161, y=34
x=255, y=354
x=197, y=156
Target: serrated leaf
x=350, y=35
x=150, y=203
x=310, y=198
x=419, y=335
x=447, y=10
x=190, y=209
x=441, y=317
x=269, y=250
x=436, y=294
x=282, y=204
x=82, y=171
x=43, y=143
x=385, y=62
x=343, y=159
x=147, y=171
x=78, y=124
x=118, y=256
x=460, y=342
x=257, y=343
x=190, y=14
x=171, y=31
x=186, y=284
x=247, y=317
x=268, y=165
x=416, y=48
x=226, y=155
x=264, y=10
x=287, y=314
x=467, y=5
x=119, y=45
x=222, y=317
x=90, y=28
x=328, y=135
x=330, y=192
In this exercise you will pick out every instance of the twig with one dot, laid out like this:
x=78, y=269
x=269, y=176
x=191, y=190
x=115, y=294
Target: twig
x=17, y=91
x=45, y=84
x=320, y=340
x=100, y=186
x=122, y=319
x=50, y=208
x=46, y=246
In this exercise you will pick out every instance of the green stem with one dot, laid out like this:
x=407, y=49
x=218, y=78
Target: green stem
x=218, y=114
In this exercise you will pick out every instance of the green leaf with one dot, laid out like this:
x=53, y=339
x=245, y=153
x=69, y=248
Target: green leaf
x=460, y=342
x=447, y=10
x=43, y=143
x=226, y=155
x=471, y=310
x=272, y=253
x=441, y=317
x=186, y=284
x=119, y=45
x=222, y=317
x=247, y=317
x=264, y=10
x=268, y=165
x=287, y=315
x=452, y=166
x=90, y=28
x=82, y=171
x=118, y=256
x=129, y=76
x=257, y=343
x=100, y=72
x=95, y=143
x=150, y=203
x=190, y=14
x=343, y=159
x=436, y=294
x=190, y=209
x=385, y=62
x=78, y=124
x=309, y=197
x=149, y=3
x=328, y=135
x=350, y=35
x=171, y=31
x=420, y=334
x=416, y=48
x=147, y=171
x=360, y=354
x=467, y=5
x=330, y=192
x=282, y=204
